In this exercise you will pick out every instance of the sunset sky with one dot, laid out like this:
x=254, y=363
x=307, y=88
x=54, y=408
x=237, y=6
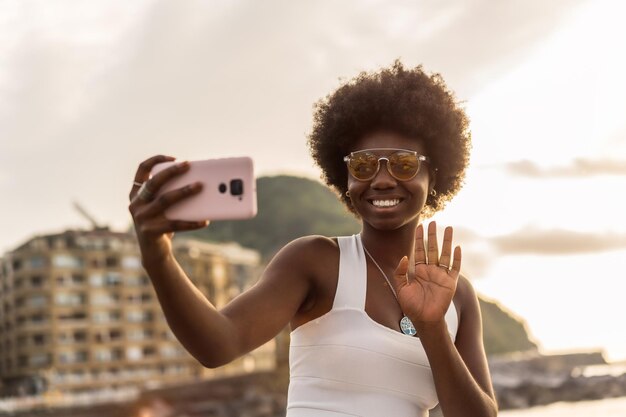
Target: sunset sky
x=90, y=89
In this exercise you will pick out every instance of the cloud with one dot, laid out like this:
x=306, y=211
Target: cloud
x=556, y=242
x=480, y=252
x=98, y=87
x=576, y=169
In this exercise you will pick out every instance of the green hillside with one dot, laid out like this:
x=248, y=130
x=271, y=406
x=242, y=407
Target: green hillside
x=290, y=207
x=502, y=332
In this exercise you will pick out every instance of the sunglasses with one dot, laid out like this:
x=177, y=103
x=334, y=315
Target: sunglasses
x=402, y=164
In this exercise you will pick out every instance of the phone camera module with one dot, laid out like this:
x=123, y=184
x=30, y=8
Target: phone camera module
x=236, y=187
x=222, y=188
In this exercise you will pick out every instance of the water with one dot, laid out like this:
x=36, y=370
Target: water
x=612, y=407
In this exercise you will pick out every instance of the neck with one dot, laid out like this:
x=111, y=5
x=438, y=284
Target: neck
x=389, y=246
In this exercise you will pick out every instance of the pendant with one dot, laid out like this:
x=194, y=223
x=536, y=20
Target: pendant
x=407, y=326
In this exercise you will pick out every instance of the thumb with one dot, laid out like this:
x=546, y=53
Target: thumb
x=400, y=275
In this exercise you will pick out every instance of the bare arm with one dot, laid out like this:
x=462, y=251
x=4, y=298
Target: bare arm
x=216, y=337
x=211, y=336
x=460, y=369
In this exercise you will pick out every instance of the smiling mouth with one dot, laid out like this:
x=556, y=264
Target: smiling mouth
x=385, y=203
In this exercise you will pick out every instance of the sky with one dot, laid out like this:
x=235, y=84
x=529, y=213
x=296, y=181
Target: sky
x=90, y=89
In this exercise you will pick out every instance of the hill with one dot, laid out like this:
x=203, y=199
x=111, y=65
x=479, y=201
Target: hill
x=290, y=207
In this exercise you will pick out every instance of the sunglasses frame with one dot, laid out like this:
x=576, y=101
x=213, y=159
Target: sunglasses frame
x=420, y=159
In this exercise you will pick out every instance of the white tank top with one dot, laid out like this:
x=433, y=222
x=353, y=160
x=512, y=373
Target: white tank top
x=346, y=364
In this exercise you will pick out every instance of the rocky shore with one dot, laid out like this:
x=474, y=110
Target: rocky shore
x=530, y=379
x=520, y=381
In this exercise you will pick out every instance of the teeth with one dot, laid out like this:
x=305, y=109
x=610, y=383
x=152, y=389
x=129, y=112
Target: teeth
x=386, y=203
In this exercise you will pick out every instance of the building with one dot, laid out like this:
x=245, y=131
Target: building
x=78, y=313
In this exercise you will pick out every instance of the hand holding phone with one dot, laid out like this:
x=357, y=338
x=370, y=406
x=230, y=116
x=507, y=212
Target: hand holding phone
x=228, y=190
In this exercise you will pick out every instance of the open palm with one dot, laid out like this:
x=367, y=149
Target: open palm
x=425, y=292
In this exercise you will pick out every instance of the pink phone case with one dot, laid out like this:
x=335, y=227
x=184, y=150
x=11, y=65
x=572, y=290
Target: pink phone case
x=229, y=190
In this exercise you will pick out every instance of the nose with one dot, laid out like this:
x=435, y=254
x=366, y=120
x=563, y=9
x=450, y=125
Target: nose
x=383, y=179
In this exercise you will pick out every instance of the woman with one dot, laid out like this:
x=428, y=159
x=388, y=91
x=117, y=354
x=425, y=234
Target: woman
x=382, y=323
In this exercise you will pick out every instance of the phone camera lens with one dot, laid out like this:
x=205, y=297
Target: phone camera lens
x=236, y=187
x=222, y=188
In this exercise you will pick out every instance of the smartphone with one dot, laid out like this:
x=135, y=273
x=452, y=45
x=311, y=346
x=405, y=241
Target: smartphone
x=228, y=192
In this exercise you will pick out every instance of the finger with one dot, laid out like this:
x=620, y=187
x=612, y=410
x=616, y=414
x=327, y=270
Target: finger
x=400, y=275
x=143, y=172
x=168, y=199
x=446, y=249
x=154, y=184
x=157, y=180
x=456, y=262
x=433, y=250
x=420, y=253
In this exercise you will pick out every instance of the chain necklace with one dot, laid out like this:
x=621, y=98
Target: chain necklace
x=406, y=325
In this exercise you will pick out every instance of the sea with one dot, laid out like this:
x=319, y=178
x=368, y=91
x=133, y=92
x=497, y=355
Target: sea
x=610, y=407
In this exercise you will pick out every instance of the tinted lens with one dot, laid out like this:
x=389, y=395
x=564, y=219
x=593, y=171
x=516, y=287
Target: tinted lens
x=403, y=165
x=363, y=165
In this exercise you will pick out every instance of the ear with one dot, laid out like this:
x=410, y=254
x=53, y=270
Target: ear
x=432, y=179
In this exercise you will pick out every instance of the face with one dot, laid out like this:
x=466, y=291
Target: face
x=383, y=201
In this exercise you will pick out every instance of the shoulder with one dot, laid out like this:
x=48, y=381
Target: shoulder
x=307, y=244
x=466, y=298
x=301, y=269
x=307, y=253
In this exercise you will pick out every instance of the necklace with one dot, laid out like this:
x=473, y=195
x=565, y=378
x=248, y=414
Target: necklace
x=406, y=325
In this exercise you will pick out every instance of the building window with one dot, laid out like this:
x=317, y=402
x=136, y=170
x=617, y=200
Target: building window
x=38, y=319
x=66, y=261
x=17, y=264
x=79, y=336
x=170, y=351
x=139, y=334
x=39, y=339
x=73, y=316
x=70, y=299
x=36, y=281
x=137, y=281
x=111, y=262
x=131, y=262
x=105, y=298
x=112, y=279
x=137, y=316
x=37, y=262
x=71, y=356
x=133, y=353
x=149, y=351
x=40, y=359
x=103, y=355
x=38, y=300
x=106, y=316
x=96, y=280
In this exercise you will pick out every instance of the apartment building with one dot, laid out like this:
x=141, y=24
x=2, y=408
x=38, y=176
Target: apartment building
x=78, y=313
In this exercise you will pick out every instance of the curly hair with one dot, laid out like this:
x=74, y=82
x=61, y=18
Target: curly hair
x=407, y=102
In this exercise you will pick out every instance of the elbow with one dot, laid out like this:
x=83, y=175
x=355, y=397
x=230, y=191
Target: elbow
x=210, y=365
x=214, y=361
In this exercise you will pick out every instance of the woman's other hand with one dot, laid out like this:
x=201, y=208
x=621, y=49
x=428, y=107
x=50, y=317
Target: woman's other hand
x=425, y=293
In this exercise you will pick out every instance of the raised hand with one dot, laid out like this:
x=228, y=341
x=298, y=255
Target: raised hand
x=425, y=292
x=154, y=230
